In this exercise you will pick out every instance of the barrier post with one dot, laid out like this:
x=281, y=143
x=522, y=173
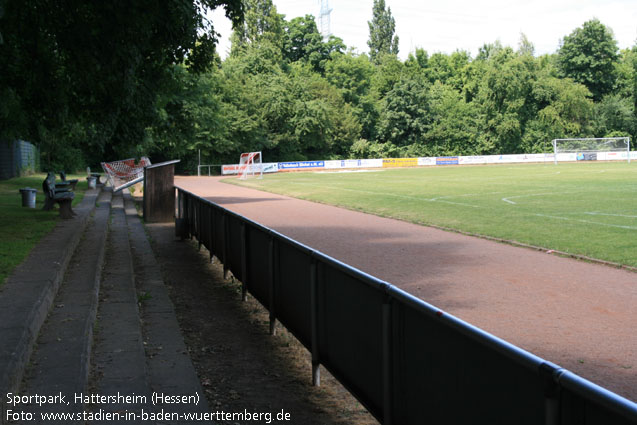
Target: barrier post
x=224, y=223
x=316, y=371
x=199, y=220
x=244, y=265
x=551, y=394
x=271, y=275
x=211, y=232
x=387, y=362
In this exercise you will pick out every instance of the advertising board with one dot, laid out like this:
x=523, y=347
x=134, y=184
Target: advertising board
x=298, y=165
x=427, y=161
x=447, y=160
x=400, y=162
x=268, y=167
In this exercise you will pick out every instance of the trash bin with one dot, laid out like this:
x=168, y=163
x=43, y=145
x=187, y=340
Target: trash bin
x=92, y=182
x=28, y=197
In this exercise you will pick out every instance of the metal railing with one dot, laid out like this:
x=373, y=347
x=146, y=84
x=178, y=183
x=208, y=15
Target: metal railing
x=405, y=360
x=200, y=167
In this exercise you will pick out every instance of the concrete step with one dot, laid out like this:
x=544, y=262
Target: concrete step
x=170, y=368
x=119, y=360
x=28, y=295
x=60, y=361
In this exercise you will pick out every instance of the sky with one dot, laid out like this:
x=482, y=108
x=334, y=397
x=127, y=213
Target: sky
x=449, y=25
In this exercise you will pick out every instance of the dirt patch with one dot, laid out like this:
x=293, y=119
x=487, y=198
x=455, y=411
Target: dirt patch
x=242, y=367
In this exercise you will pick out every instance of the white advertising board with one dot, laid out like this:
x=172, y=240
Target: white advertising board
x=470, y=160
x=427, y=161
x=268, y=167
x=354, y=163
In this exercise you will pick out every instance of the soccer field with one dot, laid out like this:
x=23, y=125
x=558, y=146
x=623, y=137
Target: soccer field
x=587, y=209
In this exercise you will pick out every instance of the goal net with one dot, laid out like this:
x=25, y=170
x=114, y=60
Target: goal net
x=250, y=165
x=124, y=173
x=588, y=148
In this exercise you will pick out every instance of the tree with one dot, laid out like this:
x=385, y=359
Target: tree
x=564, y=109
x=453, y=130
x=405, y=116
x=525, y=47
x=614, y=115
x=304, y=42
x=589, y=56
x=504, y=100
x=86, y=75
x=381, y=32
x=261, y=21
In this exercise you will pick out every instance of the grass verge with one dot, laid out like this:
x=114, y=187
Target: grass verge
x=22, y=228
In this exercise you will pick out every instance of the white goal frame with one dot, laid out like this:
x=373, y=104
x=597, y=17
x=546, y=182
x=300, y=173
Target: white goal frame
x=592, y=144
x=250, y=164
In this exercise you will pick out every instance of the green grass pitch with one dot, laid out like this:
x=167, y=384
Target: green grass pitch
x=587, y=209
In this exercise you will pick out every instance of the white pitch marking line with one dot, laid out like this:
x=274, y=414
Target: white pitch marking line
x=586, y=221
x=525, y=196
x=611, y=215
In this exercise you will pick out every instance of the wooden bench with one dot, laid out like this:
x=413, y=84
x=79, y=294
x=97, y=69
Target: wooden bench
x=72, y=182
x=58, y=193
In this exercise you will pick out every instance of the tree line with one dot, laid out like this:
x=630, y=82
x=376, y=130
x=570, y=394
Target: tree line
x=287, y=91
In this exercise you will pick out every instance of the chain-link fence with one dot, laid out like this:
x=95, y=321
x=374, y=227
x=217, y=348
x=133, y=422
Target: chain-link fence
x=18, y=158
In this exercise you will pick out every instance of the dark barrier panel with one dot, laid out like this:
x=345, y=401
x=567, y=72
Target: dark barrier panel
x=480, y=385
x=258, y=264
x=206, y=233
x=292, y=289
x=350, y=333
x=405, y=360
x=219, y=234
x=581, y=403
x=234, y=245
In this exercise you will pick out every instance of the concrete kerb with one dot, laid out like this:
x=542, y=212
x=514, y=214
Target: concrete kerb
x=42, y=273
x=170, y=368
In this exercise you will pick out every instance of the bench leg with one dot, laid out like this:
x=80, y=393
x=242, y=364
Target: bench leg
x=48, y=204
x=65, y=209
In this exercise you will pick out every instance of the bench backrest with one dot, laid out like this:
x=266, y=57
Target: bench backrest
x=48, y=185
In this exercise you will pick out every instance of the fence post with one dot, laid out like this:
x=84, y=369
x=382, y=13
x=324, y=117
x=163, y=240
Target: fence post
x=179, y=203
x=551, y=394
x=211, y=232
x=199, y=221
x=244, y=263
x=387, y=362
x=187, y=216
x=224, y=248
x=271, y=272
x=316, y=371
x=179, y=221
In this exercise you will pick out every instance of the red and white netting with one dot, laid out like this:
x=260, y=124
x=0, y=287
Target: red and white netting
x=125, y=173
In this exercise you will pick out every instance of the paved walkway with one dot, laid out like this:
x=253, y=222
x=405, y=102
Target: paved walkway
x=578, y=315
